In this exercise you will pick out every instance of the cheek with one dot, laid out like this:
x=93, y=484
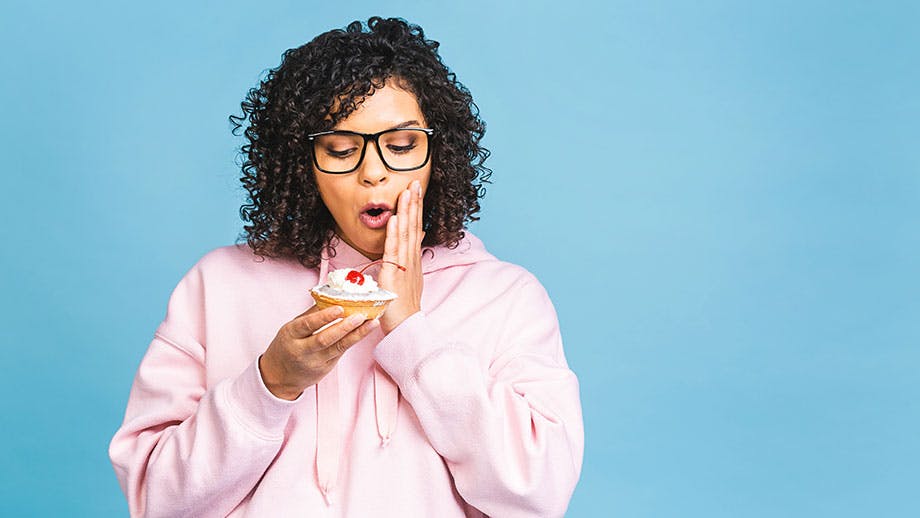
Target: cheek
x=320, y=183
x=324, y=194
x=425, y=179
x=332, y=194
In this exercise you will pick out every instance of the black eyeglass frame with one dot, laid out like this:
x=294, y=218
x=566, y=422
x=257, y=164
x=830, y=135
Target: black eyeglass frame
x=375, y=137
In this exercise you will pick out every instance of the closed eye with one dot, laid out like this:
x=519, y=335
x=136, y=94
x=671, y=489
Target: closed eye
x=401, y=149
x=340, y=154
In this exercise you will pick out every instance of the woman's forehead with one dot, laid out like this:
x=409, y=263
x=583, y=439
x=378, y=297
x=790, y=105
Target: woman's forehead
x=388, y=107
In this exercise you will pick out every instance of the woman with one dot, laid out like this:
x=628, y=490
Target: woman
x=457, y=401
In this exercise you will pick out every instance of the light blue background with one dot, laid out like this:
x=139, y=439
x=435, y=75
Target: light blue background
x=720, y=197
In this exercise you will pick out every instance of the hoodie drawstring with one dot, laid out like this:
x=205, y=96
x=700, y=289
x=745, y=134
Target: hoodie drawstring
x=386, y=404
x=323, y=268
x=328, y=435
x=328, y=424
x=328, y=440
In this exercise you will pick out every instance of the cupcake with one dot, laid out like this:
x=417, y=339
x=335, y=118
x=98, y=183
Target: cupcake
x=355, y=291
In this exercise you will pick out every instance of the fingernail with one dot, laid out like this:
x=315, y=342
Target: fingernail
x=418, y=187
x=374, y=324
x=357, y=318
x=337, y=311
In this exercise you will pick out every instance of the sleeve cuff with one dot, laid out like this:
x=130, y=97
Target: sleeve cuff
x=405, y=352
x=256, y=407
x=404, y=348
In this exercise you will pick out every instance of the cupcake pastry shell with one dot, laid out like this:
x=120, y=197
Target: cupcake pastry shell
x=372, y=305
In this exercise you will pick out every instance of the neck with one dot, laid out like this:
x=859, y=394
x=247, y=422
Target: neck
x=370, y=255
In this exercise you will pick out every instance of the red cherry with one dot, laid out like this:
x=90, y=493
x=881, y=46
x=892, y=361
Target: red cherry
x=355, y=277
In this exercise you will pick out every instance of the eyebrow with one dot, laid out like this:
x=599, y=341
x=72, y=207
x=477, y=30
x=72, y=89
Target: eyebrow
x=407, y=124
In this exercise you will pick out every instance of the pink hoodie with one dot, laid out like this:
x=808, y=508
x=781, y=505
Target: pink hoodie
x=467, y=408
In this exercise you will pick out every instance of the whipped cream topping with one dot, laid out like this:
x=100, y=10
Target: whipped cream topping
x=336, y=280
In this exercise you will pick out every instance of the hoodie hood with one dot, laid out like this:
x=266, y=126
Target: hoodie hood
x=470, y=250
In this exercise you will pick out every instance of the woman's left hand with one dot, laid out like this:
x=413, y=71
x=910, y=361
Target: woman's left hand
x=403, y=246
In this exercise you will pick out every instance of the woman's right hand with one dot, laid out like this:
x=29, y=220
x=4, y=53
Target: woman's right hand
x=297, y=358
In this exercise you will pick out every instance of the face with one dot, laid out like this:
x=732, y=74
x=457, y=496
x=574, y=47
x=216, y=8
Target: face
x=362, y=201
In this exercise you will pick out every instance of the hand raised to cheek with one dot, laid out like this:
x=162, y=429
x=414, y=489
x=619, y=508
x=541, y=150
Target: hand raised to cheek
x=403, y=246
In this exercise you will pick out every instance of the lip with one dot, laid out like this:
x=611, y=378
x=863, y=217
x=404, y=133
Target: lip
x=375, y=222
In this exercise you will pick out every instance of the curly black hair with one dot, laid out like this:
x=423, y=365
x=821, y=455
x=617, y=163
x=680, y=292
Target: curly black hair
x=321, y=83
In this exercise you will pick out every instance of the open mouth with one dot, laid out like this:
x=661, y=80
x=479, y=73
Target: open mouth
x=375, y=216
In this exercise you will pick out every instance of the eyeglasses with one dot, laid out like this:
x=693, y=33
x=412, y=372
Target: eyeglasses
x=400, y=149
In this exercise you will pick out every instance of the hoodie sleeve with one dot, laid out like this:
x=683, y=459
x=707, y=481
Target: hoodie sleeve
x=184, y=449
x=511, y=432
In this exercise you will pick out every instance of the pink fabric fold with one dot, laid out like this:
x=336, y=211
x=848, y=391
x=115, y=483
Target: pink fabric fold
x=386, y=404
x=328, y=435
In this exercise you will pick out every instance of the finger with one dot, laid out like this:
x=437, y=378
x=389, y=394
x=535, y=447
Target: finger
x=332, y=334
x=403, y=252
x=305, y=324
x=421, y=215
x=413, y=216
x=312, y=309
x=328, y=337
x=390, y=246
x=333, y=352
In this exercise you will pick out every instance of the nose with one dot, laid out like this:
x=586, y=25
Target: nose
x=372, y=170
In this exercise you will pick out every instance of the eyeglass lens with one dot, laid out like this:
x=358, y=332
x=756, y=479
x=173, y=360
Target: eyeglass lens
x=401, y=149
